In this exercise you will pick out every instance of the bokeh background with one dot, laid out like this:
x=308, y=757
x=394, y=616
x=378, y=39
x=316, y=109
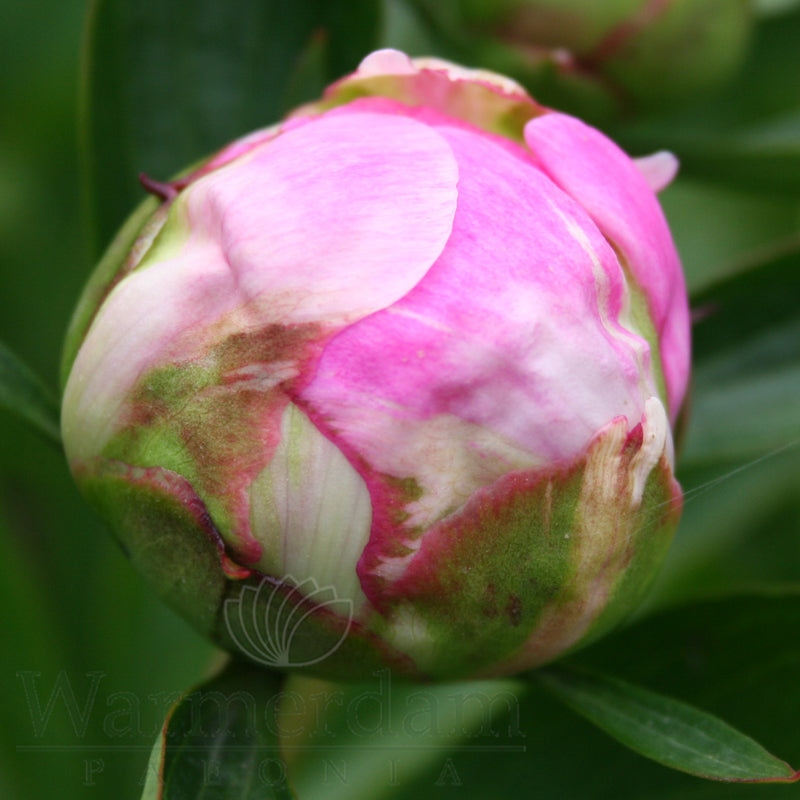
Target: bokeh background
x=70, y=604
x=89, y=658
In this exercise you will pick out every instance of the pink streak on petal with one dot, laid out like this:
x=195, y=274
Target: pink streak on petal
x=607, y=183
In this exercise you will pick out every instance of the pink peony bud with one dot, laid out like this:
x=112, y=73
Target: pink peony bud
x=392, y=382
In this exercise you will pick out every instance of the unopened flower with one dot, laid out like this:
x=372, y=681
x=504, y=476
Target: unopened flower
x=614, y=54
x=392, y=382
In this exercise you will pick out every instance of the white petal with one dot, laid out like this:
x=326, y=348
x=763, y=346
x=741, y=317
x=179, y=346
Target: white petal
x=311, y=510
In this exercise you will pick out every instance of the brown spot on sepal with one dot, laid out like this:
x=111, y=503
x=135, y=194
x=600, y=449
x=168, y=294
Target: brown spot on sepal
x=514, y=610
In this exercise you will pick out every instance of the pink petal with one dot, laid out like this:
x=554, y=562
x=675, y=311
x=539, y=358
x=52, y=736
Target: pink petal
x=522, y=307
x=483, y=99
x=386, y=62
x=326, y=223
x=335, y=219
x=509, y=352
x=602, y=178
x=658, y=169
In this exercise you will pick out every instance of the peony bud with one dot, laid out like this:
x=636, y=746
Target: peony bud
x=392, y=382
x=640, y=53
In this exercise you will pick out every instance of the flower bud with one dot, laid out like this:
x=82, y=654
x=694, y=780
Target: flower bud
x=392, y=382
x=641, y=53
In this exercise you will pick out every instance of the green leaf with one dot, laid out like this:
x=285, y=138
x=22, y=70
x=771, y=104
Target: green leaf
x=221, y=741
x=668, y=731
x=22, y=393
x=168, y=83
x=747, y=363
x=763, y=155
x=740, y=460
x=720, y=231
x=735, y=657
x=740, y=529
x=739, y=659
x=33, y=639
x=362, y=741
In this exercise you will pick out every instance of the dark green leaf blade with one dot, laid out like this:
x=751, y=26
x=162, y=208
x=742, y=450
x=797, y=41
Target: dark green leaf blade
x=668, y=731
x=367, y=740
x=220, y=742
x=22, y=393
x=763, y=156
x=739, y=461
x=747, y=362
x=352, y=28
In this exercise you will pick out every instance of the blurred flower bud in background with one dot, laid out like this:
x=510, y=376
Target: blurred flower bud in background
x=604, y=58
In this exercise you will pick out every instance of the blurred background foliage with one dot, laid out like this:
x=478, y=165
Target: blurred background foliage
x=73, y=606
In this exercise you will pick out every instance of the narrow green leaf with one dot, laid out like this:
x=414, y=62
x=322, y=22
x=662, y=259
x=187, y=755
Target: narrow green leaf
x=33, y=640
x=720, y=231
x=364, y=741
x=668, y=731
x=220, y=742
x=739, y=462
x=763, y=156
x=747, y=363
x=740, y=530
x=168, y=83
x=22, y=393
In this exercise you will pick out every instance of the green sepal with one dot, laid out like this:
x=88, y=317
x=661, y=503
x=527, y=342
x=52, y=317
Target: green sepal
x=164, y=530
x=477, y=100
x=303, y=629
x=539, y=563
